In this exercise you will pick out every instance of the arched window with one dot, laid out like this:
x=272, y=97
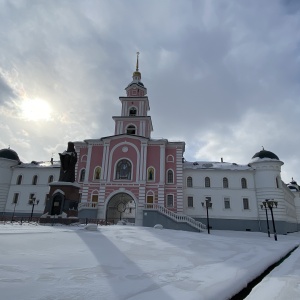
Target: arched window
x=123, y=170
x=97, y=173
x=34, y=179
x=189, y=181
x=132, y=111
x=170, y=158
x=225, y=183
x=244, y=183
x=84, y=158
x=277, y=182
x=170, y=176
x=207, y=182
x=131, y=129
x=150, y=174
x=19, y=179
x=82, y=175
x=50, y=178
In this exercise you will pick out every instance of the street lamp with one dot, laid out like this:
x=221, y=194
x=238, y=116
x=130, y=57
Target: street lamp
x=208, y=205
x=266, y=209
x=33, y=202
x=13, y=215
x=270, y=203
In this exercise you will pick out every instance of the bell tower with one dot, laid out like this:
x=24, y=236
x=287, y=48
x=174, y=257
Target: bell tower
x=135, y=106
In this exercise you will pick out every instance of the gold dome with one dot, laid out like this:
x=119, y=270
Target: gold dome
x=136, y=73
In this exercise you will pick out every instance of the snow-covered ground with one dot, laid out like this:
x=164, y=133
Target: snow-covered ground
x=282, y=283
x=138, y=263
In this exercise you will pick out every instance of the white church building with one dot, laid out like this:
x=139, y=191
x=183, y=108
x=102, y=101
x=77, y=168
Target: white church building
x=129, y=175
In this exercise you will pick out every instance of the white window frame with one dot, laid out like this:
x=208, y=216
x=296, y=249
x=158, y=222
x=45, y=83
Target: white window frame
x=188, y=201
x=167, y=204
x=248, y=203
x=227, y=199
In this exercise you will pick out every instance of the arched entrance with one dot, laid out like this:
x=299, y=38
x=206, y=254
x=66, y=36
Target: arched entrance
x=120, y=207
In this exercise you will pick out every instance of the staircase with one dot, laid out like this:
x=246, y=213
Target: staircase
x=180, y=218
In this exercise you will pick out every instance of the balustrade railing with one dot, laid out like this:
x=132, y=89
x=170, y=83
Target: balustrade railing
x=176, y=217
x=87, y=205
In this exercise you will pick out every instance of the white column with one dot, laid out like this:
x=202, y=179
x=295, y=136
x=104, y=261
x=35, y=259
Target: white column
x=162, y=164
x=88, y=163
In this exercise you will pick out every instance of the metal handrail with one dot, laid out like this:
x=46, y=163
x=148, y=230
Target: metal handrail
x=176, y=217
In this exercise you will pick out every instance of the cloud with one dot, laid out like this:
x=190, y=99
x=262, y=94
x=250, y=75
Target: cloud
x=221, y=75
x=6, y=92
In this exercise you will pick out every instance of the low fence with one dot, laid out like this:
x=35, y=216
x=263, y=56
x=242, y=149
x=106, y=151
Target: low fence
x=52, y=221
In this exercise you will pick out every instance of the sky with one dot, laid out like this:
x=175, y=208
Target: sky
x=138, y=263
x=223, y=76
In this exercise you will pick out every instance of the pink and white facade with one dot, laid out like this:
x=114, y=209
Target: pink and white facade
x=129, y=167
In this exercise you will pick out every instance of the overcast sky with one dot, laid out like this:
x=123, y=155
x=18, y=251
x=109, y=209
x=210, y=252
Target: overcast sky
x=223, y=76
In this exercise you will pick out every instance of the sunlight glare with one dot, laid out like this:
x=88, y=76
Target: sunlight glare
x=35, y=110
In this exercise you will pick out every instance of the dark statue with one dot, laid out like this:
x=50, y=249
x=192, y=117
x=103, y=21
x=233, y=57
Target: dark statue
x=68, y=160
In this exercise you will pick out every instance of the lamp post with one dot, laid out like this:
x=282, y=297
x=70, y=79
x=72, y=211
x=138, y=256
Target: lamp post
x=33, y=202
x=13, y=215
x=270, y=203
x=207, y=204
x=266, y=209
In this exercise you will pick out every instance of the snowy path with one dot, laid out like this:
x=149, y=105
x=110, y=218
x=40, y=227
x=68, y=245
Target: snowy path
x=282, y=283
x=136, y=263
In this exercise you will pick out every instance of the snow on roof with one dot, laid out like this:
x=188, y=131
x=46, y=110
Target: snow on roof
x=40, y=164
x=214, y=165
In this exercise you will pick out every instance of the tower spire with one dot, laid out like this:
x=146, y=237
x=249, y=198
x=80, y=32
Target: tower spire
x=137, y=61
x=136, y=74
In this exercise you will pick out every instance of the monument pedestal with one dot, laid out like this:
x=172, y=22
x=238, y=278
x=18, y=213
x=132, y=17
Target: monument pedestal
x=62, y=201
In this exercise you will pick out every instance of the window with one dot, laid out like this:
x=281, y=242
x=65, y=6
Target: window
x=244, y=183
x=170, y=158
x=82, y=175
x=150, y=175
x=246, y=203
x=170, y=176
x=225, y=183
x=123, y=170
x=277, y=182
x=95, y=198
x=189, y=181
x=227, y=203
x=131, y=129
x=132, y=111
x=97, y=173
x=34, y=180
x=19, y=179
x=190, y=202
x=16, y=198
x=207, y=182
x=50, y=178
x=170, y=201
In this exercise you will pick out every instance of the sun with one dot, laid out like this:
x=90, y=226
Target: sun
x=35, y=110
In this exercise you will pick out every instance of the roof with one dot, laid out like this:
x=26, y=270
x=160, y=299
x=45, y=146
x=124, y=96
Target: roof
x=9, y=154
x=265, y=154
x=40, y=164
x=215, y=165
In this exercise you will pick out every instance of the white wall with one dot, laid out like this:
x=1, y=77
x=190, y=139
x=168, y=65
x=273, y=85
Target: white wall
x=26, y=188
x=218, y=193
